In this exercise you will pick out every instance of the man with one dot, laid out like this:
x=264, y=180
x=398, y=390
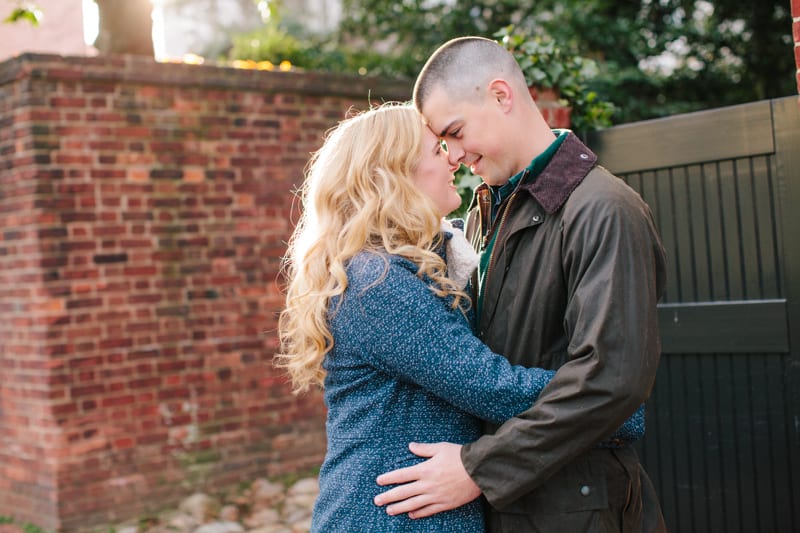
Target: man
x=571, y=270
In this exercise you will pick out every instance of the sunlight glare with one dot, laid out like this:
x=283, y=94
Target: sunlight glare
x=91, y=22
x=159, y=33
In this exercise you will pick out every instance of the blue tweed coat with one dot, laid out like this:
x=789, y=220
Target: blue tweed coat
x=406, y=367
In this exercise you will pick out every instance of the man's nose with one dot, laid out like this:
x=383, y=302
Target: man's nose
x=454, y=155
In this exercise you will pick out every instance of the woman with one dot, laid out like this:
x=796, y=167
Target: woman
x=376, y=315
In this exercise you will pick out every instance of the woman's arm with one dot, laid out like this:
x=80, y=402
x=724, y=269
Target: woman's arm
x=409, y=332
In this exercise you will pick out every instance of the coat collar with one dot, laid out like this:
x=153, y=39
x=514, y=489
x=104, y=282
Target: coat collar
x=570, y=164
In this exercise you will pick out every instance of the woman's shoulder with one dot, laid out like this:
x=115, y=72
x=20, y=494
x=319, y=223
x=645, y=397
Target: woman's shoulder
x=369, y=267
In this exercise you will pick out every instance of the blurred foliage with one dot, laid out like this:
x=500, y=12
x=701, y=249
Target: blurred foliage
x=25, y=11
x=282, y=38
x=466, y=182
x=547, y=65
x=276, y=44
x=653, y=57
x=661, y=57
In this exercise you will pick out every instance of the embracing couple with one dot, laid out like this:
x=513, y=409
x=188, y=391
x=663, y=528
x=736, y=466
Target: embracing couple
x=490, y=379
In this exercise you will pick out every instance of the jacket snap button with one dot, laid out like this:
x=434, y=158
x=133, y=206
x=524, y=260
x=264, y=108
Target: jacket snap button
x=585, y=490
x=536, y=218
x=584, y=156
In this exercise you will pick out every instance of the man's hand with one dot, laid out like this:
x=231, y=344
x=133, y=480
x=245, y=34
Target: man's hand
x=439, y=484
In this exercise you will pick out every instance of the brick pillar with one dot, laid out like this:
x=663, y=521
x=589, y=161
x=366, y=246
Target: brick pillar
x=554, y=112
x=144, y=210
x=796, y=34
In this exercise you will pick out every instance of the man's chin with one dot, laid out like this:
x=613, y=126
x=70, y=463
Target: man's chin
x=475, y=168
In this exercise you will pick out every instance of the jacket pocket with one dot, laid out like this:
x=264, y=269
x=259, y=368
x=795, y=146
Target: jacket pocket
x=573, y=489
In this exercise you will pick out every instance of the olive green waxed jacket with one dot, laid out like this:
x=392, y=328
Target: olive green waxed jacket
x=572, y=285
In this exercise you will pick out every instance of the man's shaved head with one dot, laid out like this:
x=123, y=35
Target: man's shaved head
x=463, y=67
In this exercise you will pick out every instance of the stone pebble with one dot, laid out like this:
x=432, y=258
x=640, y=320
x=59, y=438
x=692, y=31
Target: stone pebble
x=263, y=507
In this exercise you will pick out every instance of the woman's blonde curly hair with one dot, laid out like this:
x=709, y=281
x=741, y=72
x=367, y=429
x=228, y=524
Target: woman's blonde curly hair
x=358, y=195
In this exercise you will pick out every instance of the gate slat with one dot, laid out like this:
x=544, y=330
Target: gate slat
x=758, y=326
x=716, y=134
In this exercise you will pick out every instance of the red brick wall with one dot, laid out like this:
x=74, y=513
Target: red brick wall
x=549, y=103
x=143, y=213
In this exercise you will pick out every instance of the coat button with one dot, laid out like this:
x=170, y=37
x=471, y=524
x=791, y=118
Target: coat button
x=585, y=490
x=536, y=218
x=584, y=156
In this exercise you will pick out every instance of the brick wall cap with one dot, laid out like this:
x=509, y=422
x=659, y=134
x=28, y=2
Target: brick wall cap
x=131, y=68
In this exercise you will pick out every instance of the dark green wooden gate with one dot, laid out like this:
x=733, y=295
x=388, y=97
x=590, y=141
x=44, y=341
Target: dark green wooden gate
x=723, y=424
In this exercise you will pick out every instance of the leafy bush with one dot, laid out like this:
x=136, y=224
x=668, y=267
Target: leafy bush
x=549, y=66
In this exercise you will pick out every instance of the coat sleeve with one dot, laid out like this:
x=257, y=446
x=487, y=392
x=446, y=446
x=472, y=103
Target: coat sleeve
x=409, y=332
x=612, y=262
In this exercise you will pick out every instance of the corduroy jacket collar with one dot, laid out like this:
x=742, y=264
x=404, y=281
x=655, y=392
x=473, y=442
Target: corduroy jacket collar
x=570, y=164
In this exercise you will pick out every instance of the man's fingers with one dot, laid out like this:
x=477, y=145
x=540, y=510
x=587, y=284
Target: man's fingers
x=423, y=449
x=398, y=494
x=410, y=473
x=428, y=510
x=433, y=486
x=410, y=505
x=401, y=475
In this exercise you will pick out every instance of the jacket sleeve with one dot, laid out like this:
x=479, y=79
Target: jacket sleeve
x=612, y=262
x=410, y=333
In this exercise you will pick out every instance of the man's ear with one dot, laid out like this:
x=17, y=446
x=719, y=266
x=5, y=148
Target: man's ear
x=501, y=92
